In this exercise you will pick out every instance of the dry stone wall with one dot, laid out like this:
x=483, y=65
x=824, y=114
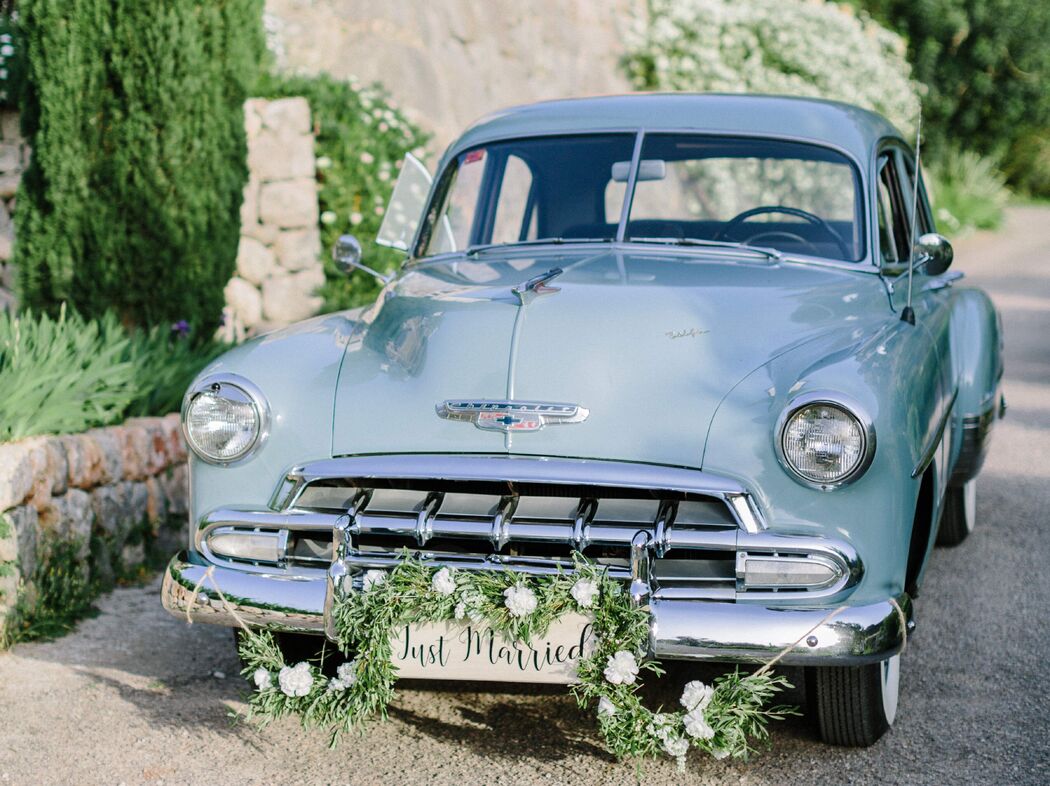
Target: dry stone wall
x=279, y=258
x=112, y=491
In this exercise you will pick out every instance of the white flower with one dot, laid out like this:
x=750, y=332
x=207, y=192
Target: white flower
x=296, y=680
x=323, y=162
x=262, y=679
x=7, y=50
x=520, y=601
x=367, y=158
x=676, y=746
x=606, y=707
x=621, y=668
x=327, y=217
x=373, y=578
x=583, y=592
x=345, y=676
x=696, y=695
x=696, y=725
x=443, y=583
x=461, y=611
x=356, y=218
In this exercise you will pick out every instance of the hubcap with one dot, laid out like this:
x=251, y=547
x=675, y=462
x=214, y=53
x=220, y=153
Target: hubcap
x=891, y=681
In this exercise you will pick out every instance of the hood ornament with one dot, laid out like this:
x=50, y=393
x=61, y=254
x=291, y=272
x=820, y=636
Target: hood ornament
x=511, y=416
x=529, y=290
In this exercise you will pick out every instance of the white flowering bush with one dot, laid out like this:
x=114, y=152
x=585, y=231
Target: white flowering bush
x=722, y=719
x=12, y=69
x=361, y=137
x=792, y=47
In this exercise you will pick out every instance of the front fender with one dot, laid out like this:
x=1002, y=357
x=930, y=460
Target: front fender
x=889, y=373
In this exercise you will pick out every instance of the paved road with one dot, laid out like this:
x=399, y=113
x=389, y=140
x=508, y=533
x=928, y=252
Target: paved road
x=132, y=696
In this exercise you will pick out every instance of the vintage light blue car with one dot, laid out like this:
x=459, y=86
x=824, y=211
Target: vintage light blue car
x=676, y=333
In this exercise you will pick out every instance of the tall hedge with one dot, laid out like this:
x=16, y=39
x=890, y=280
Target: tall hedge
x=987, y=66
x=132, y=195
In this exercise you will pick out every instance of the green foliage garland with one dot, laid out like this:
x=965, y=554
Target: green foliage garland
x=723, y=719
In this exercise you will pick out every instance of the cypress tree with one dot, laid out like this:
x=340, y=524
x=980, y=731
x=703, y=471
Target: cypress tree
x=134, y=111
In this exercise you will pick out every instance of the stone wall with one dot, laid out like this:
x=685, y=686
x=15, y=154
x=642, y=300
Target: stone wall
x=450, y=62
x=14, y=155
x=112, y=491
x=279, y=259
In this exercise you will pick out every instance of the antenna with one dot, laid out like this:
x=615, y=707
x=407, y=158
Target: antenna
x=908, y=314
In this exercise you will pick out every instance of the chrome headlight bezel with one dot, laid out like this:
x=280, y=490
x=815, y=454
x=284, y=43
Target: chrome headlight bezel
x=236, y=388
x=843, y=403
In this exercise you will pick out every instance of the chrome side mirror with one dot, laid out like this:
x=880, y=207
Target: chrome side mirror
x=347, y=256
x=935, y=252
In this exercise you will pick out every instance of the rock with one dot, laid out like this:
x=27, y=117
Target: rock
x=273, y=156
x=9, y=547
x=8, y=301
x=133, y=555
x=57, y=465
x=288, y=297
x=16, y=473
x=10, y=157
x=250, y=202
x=74, y=517
x=255, y=262
x=7, y=244
x=84, y=459
x=10, y=128
x=137, y=496
x=171, y=427
x=288, y=115
x=176, y=489
x=9, y=184
x=252, y=119
x=264, y=233
x=289, y=204
x=110, y=453
x=298, y=249
x=109, y=504
x=7, y=276
x=25, y=522
x=135, y=449
x=156, y=504
x=244, y=300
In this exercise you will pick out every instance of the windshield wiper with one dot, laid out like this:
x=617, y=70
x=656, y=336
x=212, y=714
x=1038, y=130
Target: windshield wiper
x=554, y=241
x=771, y=253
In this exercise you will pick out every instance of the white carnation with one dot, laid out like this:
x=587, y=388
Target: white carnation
x=520, y=601
x=443, y=583
x=373, y=578
x=621, y=668
x=696, y=695
x=606, y=707
x=461, y=611
x=296, y=680
x=676, y=746
x=345, y=676
x=696, y=725
x=262, y=679
x=583, y=592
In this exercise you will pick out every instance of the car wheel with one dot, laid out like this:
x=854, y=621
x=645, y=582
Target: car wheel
x=960, y=514
x=856, y=705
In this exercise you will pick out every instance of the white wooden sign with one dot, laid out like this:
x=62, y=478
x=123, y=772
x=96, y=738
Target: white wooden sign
x=463, y=651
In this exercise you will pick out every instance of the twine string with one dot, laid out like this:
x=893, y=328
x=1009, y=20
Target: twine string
x=210, y=575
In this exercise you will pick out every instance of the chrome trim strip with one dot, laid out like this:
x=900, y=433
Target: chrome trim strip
x=840, y=401
x=679, y=629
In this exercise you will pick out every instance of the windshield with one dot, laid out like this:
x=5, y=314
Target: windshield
x=694, y=189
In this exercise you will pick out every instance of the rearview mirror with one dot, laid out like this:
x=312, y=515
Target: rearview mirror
x=346, y=253
x=935, y=252
x=648, y=169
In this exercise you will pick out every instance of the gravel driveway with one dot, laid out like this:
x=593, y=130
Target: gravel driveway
x=135, y=696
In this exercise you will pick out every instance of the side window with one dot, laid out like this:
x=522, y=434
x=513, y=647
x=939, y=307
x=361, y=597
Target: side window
x=893, y=215
x=924, y=224
x=516, y=209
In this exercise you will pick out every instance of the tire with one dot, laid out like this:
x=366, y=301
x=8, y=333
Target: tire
x=856, y=705
x=959, y=515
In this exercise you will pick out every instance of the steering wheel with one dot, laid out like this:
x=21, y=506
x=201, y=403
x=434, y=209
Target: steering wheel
x=805, y=215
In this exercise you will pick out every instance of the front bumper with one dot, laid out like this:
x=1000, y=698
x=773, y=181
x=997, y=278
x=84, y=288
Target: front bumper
x=679, y=629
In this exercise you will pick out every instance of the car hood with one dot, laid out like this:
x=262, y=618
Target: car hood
x=648, y=343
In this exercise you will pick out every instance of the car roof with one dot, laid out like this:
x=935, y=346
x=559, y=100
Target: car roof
x=856, y=131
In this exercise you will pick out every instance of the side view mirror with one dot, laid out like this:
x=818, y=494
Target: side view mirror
x=347, y=256
x=935, y=252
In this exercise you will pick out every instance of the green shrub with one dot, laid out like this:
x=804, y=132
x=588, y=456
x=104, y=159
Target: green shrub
x=63, y=595
x=794, y=47
x=361, y=138
x=132, y=195
x=967, y=192
x=1027, y=164
x=987, y=65
x=68, y=374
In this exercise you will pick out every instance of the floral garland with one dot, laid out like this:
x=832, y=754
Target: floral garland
x=722, y=719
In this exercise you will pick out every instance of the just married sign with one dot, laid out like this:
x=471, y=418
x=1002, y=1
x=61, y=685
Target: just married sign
x=465, y=651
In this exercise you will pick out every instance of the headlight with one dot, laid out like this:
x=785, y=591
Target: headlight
x=225, y=418
x=824, y=441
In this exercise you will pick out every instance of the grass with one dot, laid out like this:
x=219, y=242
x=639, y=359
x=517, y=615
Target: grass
x=968, y=192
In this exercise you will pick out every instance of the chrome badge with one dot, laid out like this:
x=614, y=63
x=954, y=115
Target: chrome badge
x=510, y=416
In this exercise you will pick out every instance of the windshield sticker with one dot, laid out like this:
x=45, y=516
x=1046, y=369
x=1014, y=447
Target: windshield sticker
x=474, y=155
